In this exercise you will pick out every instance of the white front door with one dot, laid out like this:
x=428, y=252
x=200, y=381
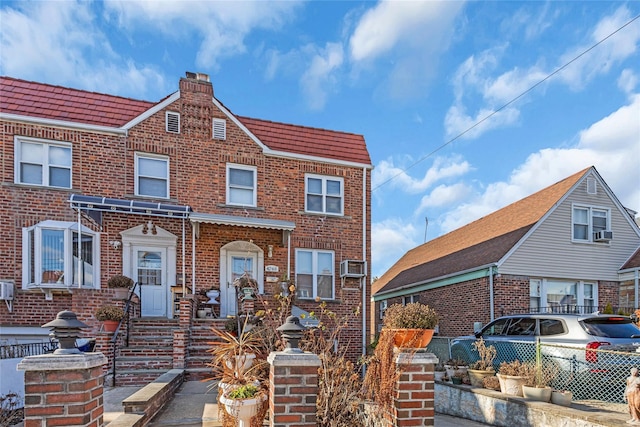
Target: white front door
x=238, y=264
x=151, y=272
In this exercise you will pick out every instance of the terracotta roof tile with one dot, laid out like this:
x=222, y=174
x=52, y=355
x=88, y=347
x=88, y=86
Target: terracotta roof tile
x=487, y=238
x=40, y=100
x=60, y=103
x=309, y=141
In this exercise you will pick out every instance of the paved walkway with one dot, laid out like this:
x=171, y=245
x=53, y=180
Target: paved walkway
x=194, y=405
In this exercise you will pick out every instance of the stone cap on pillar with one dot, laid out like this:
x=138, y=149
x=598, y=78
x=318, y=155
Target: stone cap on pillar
x=62, y=362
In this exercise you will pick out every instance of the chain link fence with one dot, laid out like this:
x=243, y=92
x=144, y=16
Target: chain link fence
x=591, y=374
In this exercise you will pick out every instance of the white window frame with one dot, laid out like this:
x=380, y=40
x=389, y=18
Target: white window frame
x=174, y=114
x=383, y=308
x=148, y=156
x=231, y=187
x=315, y=273
x=591, y=229
x=33, y=246
x=324, y=194
x=542, y=287
x=46, y=144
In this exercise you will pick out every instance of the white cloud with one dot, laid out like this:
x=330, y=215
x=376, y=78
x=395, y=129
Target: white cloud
x=412, y=33
x=628, y=81
x=390, y=239
x=387, y=174
x=222, y=26
x=474, y=76
x=444, y=195
x=320, y=77
x=60, y=40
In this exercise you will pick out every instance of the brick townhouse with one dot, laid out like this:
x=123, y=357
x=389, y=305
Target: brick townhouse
x=181, y=195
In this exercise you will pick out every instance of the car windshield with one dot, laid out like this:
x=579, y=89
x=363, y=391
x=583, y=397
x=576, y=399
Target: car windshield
x=612, y=327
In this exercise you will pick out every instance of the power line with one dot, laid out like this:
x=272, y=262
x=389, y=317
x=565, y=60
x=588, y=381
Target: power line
x=493, y=113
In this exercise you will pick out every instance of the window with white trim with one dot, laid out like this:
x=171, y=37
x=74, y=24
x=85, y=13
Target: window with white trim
x=587, y=220
x=315, y=274
x=42, y=162
x=562, y=296
x=383, y=308
x=324, y=194
x=152, y=175
x=242, y=184
x=51, y=256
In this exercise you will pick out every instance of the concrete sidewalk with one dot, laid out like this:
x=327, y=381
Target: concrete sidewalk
x=195, y=405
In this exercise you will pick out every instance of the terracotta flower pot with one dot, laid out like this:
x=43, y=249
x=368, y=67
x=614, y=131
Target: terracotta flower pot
x=412, y=338
x=110, y=325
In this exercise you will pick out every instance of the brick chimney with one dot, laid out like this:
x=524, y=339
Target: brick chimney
x=196, y=83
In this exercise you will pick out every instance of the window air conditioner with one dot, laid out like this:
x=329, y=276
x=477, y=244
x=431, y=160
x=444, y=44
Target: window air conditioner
x=352, y=268
x=602, y=236
x=6, y=291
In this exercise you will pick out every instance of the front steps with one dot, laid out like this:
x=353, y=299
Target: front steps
x=150, y=350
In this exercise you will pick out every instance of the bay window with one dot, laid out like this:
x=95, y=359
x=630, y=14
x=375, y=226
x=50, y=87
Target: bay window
x=55, y=255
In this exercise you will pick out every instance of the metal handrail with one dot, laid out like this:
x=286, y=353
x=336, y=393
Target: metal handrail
x=127, y=317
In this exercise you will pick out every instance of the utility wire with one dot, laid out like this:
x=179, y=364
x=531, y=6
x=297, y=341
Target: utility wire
x=493, y=113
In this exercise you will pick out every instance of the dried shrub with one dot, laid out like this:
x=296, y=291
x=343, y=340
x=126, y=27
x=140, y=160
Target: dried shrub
x=11, y=409
x=411, y=316
x=492, y=382
x=487, y=355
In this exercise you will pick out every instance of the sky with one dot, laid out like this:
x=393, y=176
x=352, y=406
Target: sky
x=466, y=107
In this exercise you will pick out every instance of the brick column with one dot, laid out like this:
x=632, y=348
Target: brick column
x=414, y=404
x=293, y=389
x=63, y=390
x=180, y=341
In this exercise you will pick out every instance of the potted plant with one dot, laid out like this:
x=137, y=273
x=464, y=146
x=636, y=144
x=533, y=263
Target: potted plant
x=492, y=383
x=110, y=316
x=561, y=397
x=512, y=375
x=121, y=285
x=458, y=377
x=244, y=403
x=412, y=324
x=453, y=366
x=539, y=377
x=484, y=366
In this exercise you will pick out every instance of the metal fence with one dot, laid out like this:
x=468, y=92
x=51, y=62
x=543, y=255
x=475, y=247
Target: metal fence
x=591, y=374
x=16, y=351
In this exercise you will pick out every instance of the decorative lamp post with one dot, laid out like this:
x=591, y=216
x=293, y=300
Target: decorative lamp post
x=292, y=332
x=65, y=328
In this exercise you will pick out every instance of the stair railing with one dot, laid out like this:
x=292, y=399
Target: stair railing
x=127, y=317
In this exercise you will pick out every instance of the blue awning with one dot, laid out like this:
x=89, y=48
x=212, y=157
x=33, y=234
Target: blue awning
x=95, y=205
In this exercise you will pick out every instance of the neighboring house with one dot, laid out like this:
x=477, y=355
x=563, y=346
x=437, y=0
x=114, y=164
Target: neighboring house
x=179, y=194
x=569, y=247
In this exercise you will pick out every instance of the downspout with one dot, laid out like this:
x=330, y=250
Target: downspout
x=79, y=252
x=193, y=258
x=363, y=281
x=491, y=302
x=635, y=280
x=289, y=255
x=184, y=285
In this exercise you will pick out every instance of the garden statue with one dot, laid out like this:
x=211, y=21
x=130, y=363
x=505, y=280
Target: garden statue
x=632, y=396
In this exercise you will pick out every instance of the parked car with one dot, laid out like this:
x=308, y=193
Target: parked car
x=592, y=350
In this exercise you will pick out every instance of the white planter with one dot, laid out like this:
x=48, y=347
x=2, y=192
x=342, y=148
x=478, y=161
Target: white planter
x=243, y=409
x=511, y=385
x=541, y=394
x=563, y=398
x=241, y=363
x=439, y=375
x=451, y=371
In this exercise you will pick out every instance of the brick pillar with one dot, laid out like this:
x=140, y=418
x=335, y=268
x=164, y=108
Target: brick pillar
x=413, y=402
x=63, y=390
x=293, y=389
x=180, y=341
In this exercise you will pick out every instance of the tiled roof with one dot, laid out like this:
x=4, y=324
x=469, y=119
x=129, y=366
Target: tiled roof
x=61, y=103
x=479, y=243
x=309, y=141
x=45, y=101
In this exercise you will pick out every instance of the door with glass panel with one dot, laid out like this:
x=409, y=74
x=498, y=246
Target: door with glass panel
x=150, y=273
x=239, y=264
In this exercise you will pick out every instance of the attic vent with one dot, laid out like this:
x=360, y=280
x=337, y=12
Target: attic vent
x=591, y=186
x=173, y=122
x=219, y=129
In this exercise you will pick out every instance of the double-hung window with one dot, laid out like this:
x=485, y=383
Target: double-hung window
x=324, y=194
x=314, y=274
x=587, y=221
x=241, y=185
x=42, y=162
x=54, y=254
x=152, y=176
